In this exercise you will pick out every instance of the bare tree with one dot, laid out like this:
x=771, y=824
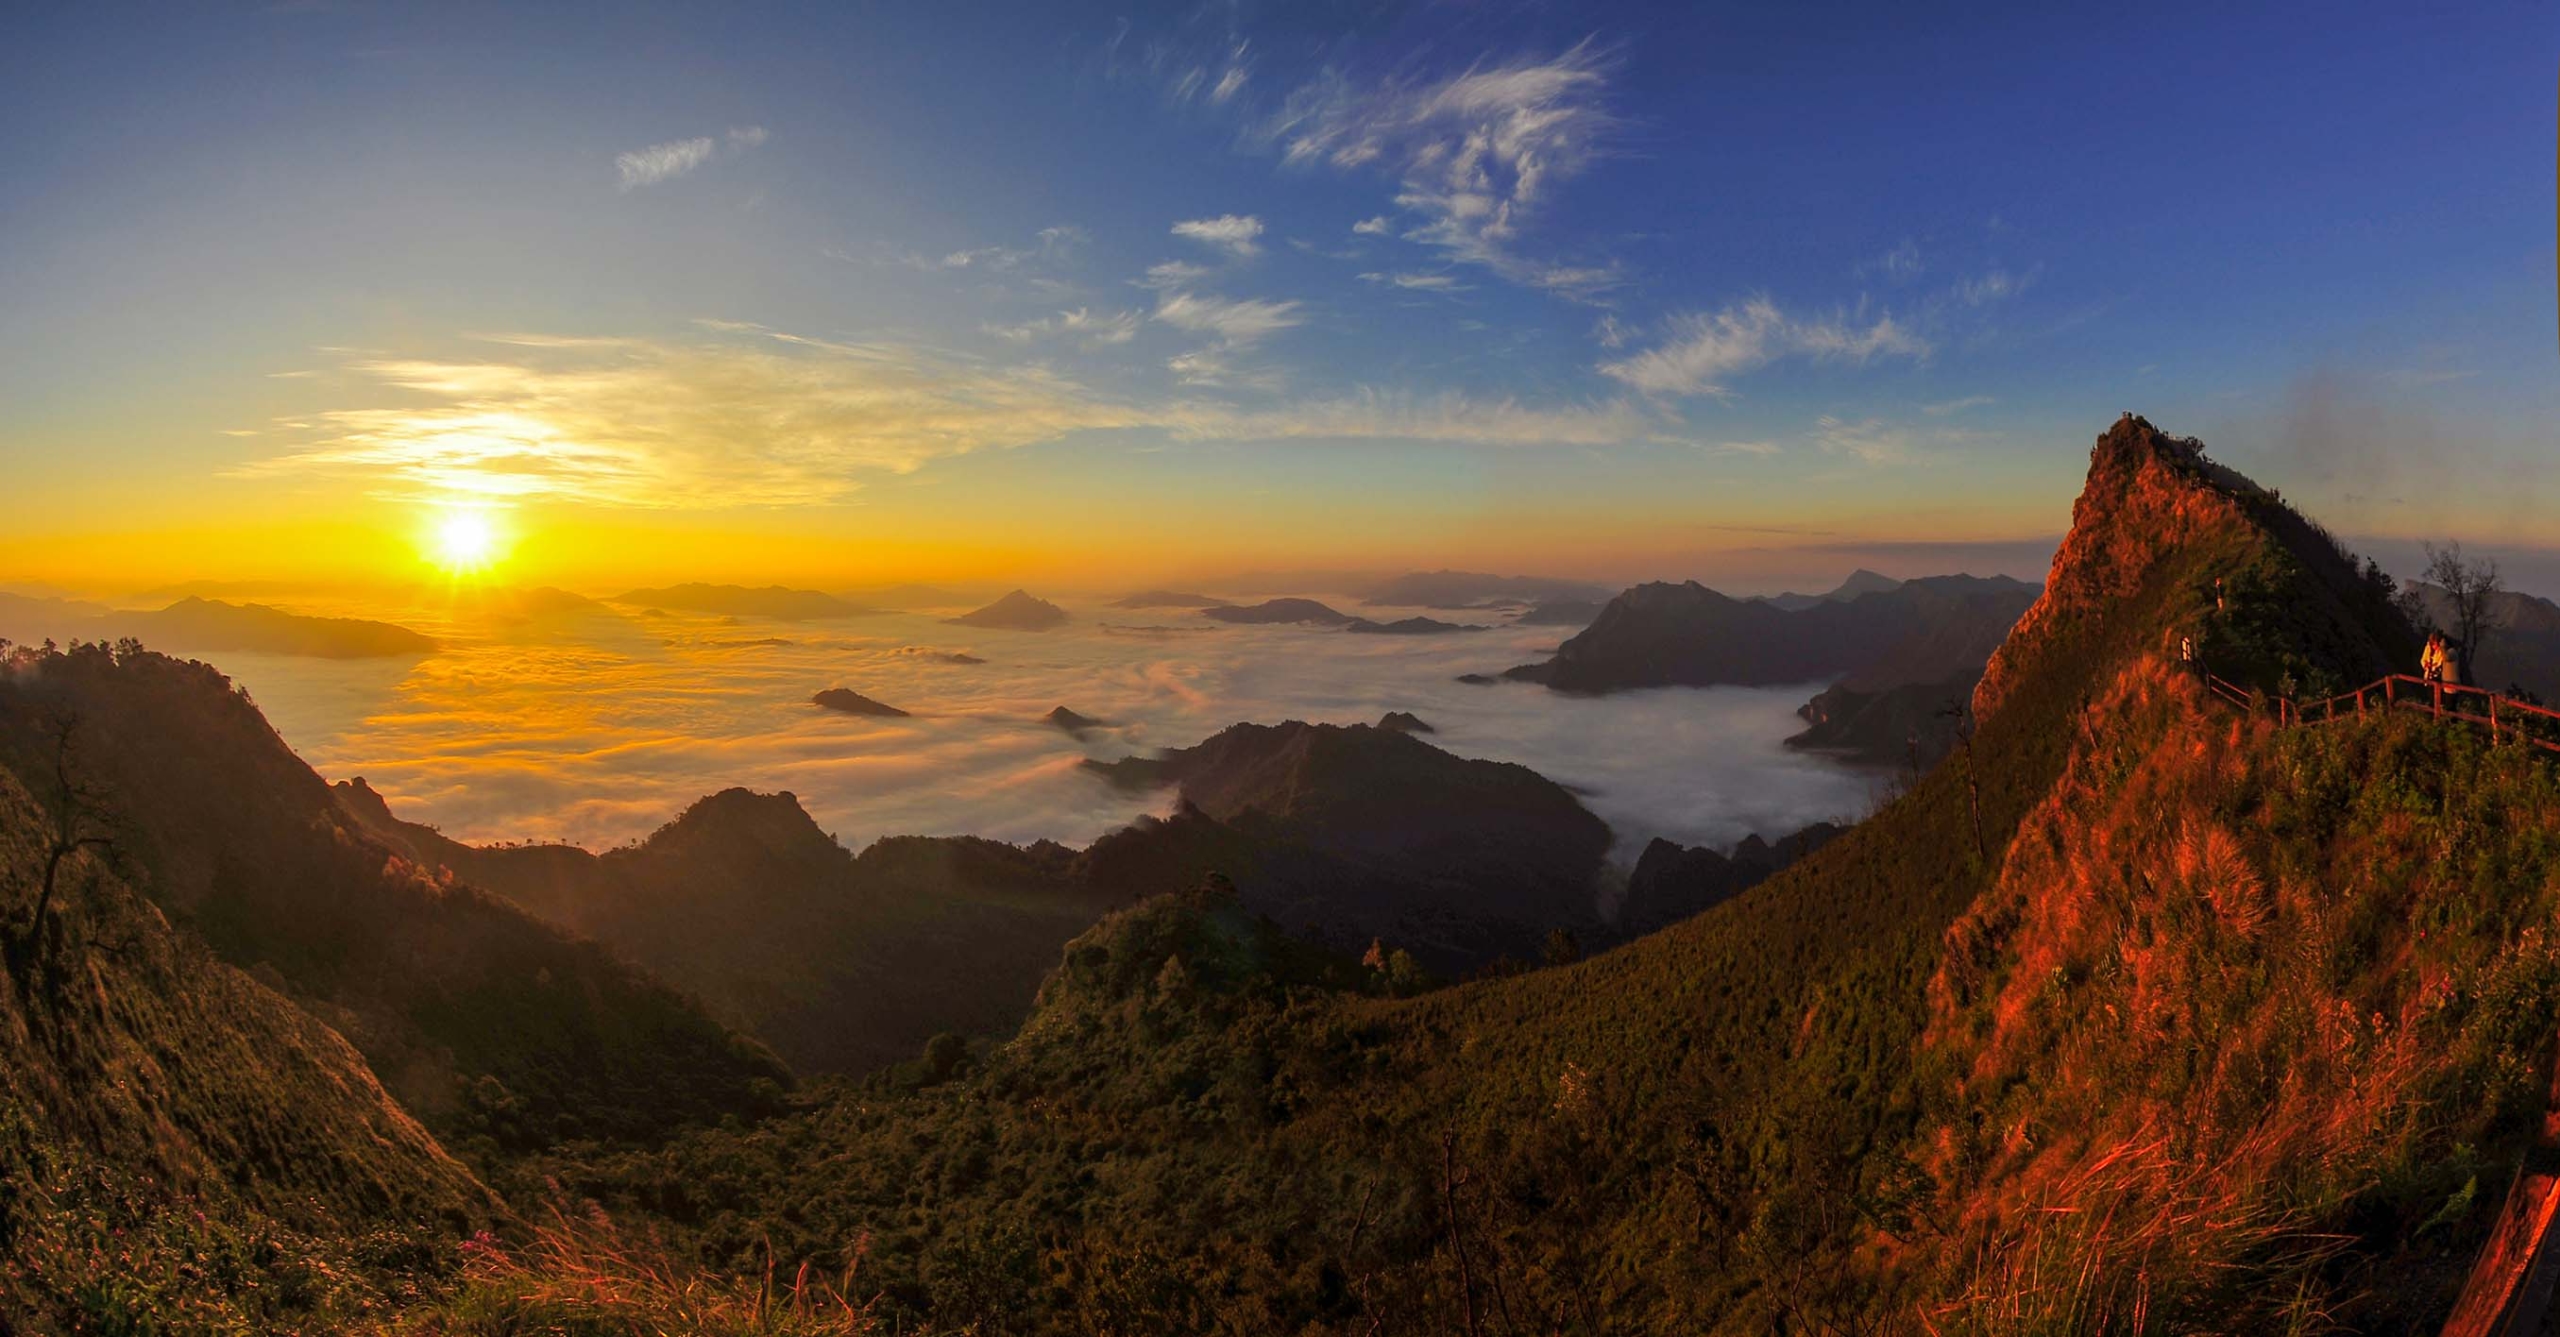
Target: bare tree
x=2470, y=587
x=75, y=819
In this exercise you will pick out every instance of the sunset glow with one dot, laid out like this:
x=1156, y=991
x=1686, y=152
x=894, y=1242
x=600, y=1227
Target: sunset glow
x=466, y=542
x=1164, y=667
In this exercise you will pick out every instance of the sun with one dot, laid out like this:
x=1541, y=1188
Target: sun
x=465, y=542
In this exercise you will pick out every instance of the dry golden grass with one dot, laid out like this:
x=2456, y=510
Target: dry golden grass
x=580, y=1274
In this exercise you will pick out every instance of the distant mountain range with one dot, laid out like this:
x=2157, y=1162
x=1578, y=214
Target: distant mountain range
x=773, y=602
x=211, y=626
x=1860, y=582
x=1896, y=652
x=1559, y=613
x=1686, y=635
x=1470, y=589
x=1017, y=611
x=1274, y=611
x=1407, y=626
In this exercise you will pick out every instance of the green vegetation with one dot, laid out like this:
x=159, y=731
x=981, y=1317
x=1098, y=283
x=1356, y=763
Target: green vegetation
x=2135, y=1014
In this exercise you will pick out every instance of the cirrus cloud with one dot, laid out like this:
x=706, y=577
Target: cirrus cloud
x=674, y=158
x=1706, y=350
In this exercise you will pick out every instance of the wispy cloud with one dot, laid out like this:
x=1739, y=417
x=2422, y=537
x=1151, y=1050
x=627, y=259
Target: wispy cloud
x=1877, y=442
x=1417, y=282
x=1995, y=285
x=753, y=417
x=1171, y=274
x=1236, y=322
x=1475, y=155
x=1899, y=265
x=1049, y=246
x=1372, y=227
x=1455, y=418
x=1236, y=234
x=1707, y=350
x=1945, y=407
x=674, y=158
x=1095, y=328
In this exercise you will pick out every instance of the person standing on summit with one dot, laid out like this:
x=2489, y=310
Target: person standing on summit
x=2435, y=663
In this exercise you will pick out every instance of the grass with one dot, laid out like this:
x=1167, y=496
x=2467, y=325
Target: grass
x=580, y=1274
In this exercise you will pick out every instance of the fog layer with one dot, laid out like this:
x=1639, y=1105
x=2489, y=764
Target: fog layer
x=599, y=727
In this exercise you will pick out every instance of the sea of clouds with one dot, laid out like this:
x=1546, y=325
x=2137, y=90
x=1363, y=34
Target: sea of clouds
x=597, y=728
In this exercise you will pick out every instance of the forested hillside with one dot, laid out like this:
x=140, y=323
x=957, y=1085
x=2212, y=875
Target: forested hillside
x=2126, y=1015
x=2140, y=1012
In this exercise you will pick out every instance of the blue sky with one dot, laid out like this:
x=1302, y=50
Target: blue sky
x=1066, y=289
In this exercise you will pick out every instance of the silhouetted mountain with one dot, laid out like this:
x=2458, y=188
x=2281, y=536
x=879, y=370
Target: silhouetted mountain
x=2521, y=650
x=482, y=1020
x=1075, y=724
x=1560, y=613
x=1860, y=582
x=1469, y=589
x=842, y=963
x=31, y=618
x=1017, y=611
x=211, y=625
x=1400, y=721
x=1355, y=832
x=772, y=602
x=1167, y=599
x=852, y=702
x=1687, y=635
x=1410, y=626
x=1306, y=611
x=1902, y=725
x=1671, y=881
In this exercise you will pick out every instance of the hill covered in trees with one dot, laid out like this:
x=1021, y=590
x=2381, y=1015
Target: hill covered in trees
x=2137, y=1013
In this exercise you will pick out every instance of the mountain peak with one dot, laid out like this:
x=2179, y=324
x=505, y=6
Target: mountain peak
x=1018, y=610
x=2166, y=543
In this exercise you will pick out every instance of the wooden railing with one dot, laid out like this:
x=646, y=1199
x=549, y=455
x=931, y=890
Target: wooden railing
x=2503, y=716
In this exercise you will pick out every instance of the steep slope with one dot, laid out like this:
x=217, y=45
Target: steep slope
x=2253, y=1023
x=480, y=1019
x=164, y=1118
x=1788, y=1112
